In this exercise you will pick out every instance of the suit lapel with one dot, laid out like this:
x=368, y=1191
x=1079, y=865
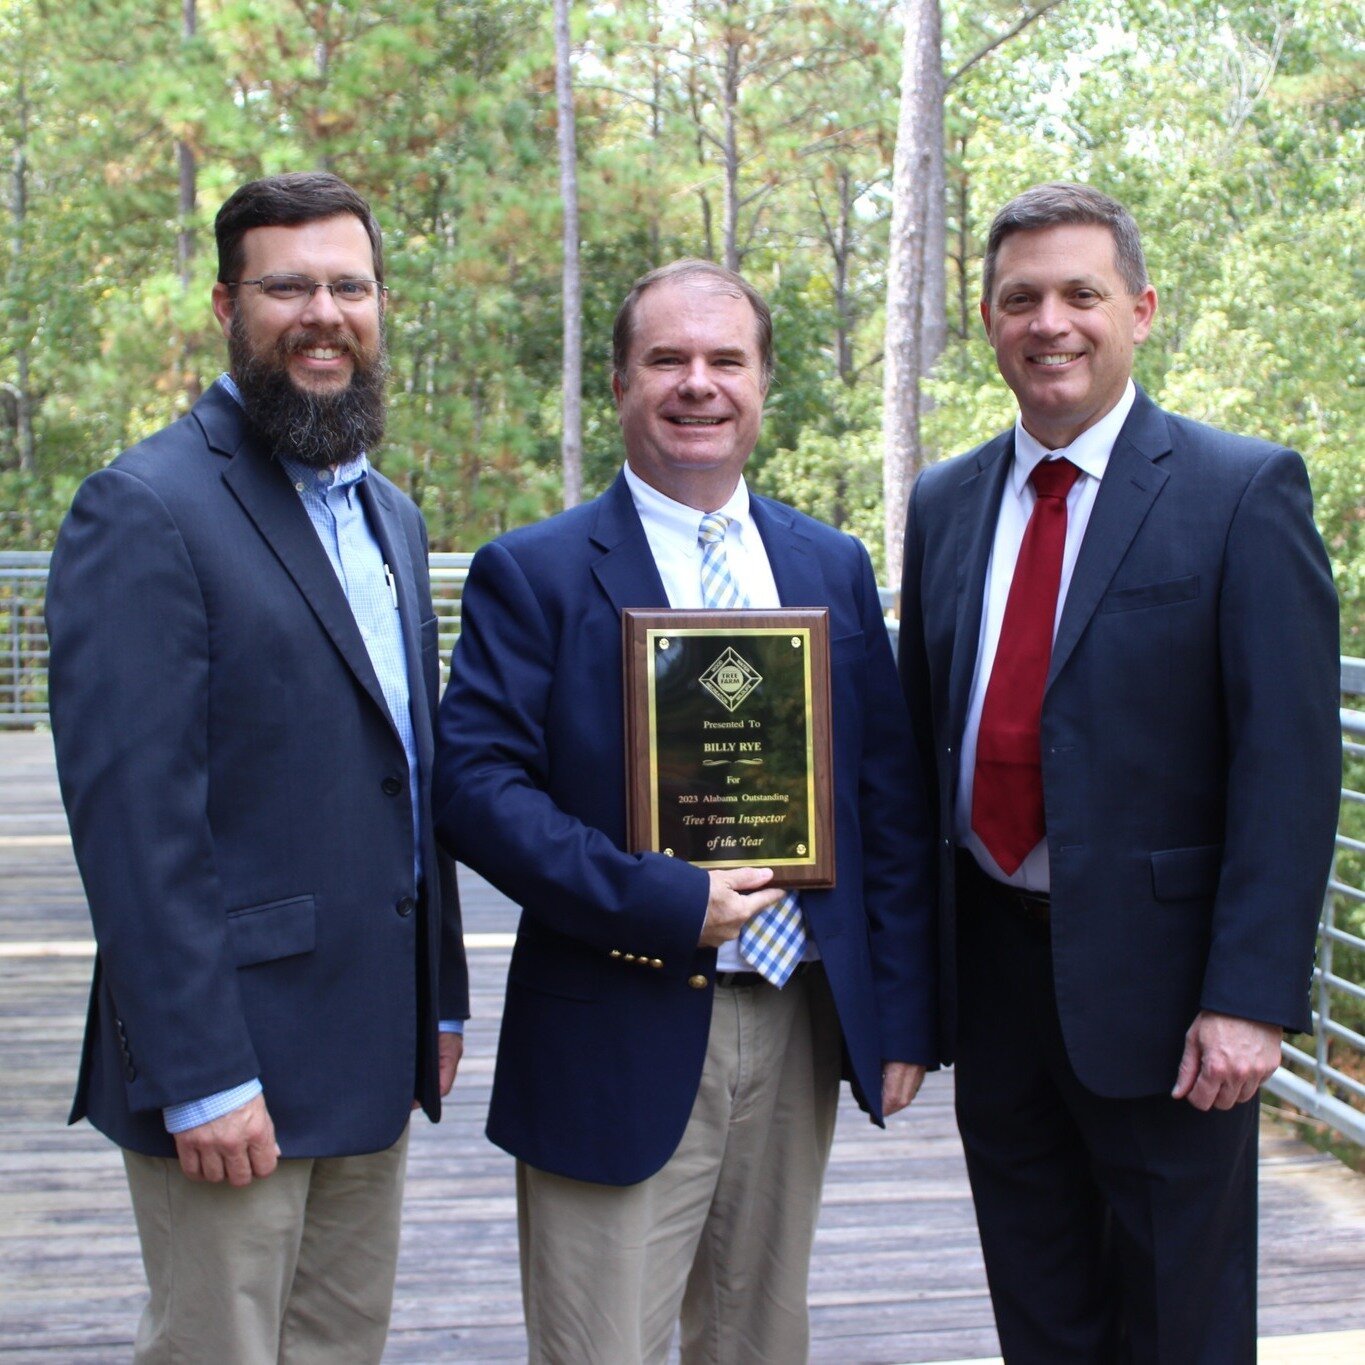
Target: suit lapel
x=260, y=485
x=626, y=570
x=978, y=510
x=1130, y=486
x=796, y=570
x=628, y=575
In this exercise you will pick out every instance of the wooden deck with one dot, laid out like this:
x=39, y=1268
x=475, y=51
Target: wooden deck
x=897, y=1272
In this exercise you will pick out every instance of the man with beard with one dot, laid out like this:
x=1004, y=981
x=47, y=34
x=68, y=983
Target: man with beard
x=243, y=681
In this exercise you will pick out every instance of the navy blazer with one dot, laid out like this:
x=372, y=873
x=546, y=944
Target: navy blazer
x=1191, y=740
x=600, y=1060
x=238, y=799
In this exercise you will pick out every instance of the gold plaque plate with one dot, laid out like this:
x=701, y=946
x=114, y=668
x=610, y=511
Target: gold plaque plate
x=728, y=739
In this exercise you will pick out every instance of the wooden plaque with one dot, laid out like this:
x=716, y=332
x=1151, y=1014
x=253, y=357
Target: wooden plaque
x=728, y=739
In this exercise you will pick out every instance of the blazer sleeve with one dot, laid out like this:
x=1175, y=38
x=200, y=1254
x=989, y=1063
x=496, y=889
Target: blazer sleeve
x=898, y=850
x=492, y=802
x=1281, y=678
x=128, y=680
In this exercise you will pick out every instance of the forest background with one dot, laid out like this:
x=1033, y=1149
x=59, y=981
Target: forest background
x=759, y=132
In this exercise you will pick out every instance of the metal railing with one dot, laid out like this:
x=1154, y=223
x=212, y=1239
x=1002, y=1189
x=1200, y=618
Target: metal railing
x=1318, y=1081
x=448, y=573
x=1323, y=1076
x=23, y=638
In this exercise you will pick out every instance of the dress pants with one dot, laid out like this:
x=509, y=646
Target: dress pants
x=722, y=1234
x=295, y=1269
x=1114, y=1230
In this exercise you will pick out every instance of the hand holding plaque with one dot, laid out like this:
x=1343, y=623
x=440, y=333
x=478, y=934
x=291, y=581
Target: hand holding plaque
x=728, y=760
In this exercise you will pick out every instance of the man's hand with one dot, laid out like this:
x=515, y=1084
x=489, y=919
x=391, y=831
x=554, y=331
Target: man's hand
x=735, y=899
x=900, y=1084
x=237, y=1147
x=1226, y=1059
x=451, y=1050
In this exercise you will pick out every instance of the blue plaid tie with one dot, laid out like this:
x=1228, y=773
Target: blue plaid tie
x=773, y=941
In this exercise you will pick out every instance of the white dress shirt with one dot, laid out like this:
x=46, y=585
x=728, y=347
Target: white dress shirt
x=671, y=529
x=1089, y=452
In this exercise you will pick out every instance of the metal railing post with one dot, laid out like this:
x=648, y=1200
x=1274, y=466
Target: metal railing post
x=1322, y=1039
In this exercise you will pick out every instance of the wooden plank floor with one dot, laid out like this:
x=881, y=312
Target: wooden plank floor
x=897, y=1270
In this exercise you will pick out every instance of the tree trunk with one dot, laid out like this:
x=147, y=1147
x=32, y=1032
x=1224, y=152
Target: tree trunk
x=841, y=248
x=184, y=240
x=694, y=106
x=184, y=156
x=729, y=111
x=916, y=287
x=656, y=132
x=572, y=441
x=964, y=242
x=915, y=322
x=23, y=398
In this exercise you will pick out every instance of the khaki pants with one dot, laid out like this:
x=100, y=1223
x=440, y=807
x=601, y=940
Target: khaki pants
x=295, y=1269
x=722, y=1234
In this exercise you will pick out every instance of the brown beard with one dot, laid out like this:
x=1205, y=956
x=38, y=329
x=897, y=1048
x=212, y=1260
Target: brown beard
x=316, y=429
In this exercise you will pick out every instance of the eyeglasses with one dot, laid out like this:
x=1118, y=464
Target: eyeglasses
x=296, y=288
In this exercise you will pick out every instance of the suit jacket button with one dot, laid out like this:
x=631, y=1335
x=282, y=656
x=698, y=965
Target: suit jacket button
x=405, y=906
x=698, y=983
x=616, y=952
x=630, y=957
x=656, y=962
x=130, y=1072
x=391, y=786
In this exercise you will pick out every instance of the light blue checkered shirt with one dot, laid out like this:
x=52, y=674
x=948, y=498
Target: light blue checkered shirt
x=334, y=507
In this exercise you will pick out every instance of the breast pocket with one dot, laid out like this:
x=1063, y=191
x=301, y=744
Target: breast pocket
x=1152, y=594
x=268, y=932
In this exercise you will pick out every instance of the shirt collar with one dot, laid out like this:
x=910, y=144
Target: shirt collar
x=305, y=476
x=1089, y=452
x=677, y=520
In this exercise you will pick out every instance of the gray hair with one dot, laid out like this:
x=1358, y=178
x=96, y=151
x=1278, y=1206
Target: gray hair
x=1058, y=202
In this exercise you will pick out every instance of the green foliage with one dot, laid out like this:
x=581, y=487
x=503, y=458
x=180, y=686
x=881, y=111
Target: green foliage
x=1236, y=134
x=834, y=470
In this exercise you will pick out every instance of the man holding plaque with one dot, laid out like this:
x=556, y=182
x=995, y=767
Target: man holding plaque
x=673, y=1035
x=1119, y=641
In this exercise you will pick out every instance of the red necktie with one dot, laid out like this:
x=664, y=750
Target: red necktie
x=1007, y=789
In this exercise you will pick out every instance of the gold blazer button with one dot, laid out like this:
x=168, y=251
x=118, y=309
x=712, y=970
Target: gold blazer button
x=698, y=983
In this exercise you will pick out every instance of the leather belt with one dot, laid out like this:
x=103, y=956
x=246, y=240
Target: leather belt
x=742, y=981
x=974, y=883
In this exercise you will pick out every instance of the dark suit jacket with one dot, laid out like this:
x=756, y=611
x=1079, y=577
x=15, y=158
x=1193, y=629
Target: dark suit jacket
x=238, y=800
x=600, y=1058
x=1190, y=733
